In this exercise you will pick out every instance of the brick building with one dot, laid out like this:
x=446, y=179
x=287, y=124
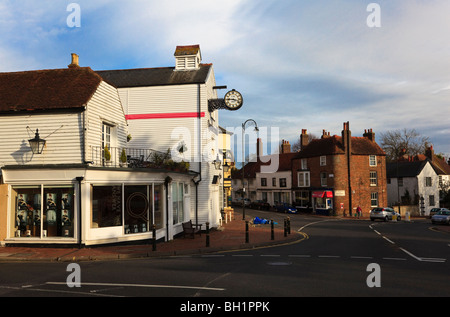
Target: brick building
x=336, y=174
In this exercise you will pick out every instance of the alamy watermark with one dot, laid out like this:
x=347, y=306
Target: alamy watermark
x=374, y=18
x=74, y=18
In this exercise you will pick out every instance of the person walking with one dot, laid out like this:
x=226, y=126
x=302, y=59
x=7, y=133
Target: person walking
x=359, y=212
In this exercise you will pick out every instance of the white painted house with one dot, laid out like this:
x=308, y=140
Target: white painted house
x=413, y=183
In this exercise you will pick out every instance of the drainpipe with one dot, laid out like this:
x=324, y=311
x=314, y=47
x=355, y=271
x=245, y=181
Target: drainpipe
x=80, y=179
x=199, y=134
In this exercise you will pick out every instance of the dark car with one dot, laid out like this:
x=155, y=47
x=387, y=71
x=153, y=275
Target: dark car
x=286, y=208
x=260, y=205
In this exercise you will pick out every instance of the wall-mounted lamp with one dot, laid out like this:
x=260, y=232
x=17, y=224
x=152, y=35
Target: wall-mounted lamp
x=217, y=163
x=37, y=144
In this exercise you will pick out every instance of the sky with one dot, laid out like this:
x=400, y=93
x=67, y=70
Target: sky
x=299, y=64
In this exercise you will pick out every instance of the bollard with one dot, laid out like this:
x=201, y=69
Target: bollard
x=272, y=236
x=154, y=237
x=246, y=231
x=207, y=234
x=285, y=227
x=289, y=225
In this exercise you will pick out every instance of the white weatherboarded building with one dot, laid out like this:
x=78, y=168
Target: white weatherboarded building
x=167, y=110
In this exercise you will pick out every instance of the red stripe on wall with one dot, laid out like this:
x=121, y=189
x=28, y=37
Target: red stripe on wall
x=164, y=115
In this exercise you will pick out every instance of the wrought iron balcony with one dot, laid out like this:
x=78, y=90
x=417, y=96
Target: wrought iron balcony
x=135, y=158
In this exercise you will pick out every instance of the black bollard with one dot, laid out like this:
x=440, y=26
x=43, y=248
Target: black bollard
x=289, y=225
x=154, y=237
x=207, y=234
x=246, y=231
x=272, y=235
x=285, y=227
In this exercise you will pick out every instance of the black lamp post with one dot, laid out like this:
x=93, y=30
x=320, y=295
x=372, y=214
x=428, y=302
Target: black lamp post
x=243, y=163
x=37, y=144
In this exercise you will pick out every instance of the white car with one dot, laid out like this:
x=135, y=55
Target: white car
x=384, y=213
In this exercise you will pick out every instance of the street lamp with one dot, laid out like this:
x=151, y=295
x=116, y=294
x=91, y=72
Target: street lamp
x=243, y=162
x=37, y=144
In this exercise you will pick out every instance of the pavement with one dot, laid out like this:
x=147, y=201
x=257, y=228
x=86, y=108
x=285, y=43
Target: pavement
x=231, y=236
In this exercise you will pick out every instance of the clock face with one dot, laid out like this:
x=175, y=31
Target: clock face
x=233, y=100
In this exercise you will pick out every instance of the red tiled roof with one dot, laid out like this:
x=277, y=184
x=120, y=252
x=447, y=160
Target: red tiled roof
x=251, y=168
x=47, y=89
x=333, y=145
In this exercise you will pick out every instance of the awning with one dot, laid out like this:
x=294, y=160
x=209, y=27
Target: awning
x=322, y=194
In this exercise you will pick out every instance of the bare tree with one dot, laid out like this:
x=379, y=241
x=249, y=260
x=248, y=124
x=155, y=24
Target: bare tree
x=400, y=142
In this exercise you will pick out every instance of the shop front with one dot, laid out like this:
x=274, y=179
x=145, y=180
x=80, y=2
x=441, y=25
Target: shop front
x=90, y=206
x=322, y=202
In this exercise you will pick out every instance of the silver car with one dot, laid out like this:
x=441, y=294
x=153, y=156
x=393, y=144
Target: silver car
x=384, y=213
x=442, y=216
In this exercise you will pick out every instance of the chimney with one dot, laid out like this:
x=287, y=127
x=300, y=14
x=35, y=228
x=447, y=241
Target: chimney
x=369, y=134
x=74, y=63
x=259, y=149
x=285, y=147
x=429, y=152
x=325, y=134
x=304, y=140
x=347, y=137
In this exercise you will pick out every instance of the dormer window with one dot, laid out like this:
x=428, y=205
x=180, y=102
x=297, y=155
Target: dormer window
x=187, y=57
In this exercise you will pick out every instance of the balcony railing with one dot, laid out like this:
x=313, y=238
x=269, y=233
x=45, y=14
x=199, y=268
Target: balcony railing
x=135, y=158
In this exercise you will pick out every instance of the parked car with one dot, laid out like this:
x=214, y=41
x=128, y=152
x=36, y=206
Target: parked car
x=260, y=205
x=442, y=216
x=434, y=211
x=286, y=208
x=240, y=203
x=384, y=213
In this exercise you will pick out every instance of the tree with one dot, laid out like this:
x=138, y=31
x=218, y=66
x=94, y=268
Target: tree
x=403, y=142
x=297, y=146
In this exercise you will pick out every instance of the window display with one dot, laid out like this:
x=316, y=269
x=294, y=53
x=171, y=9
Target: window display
x=106, y=206
x=48, y=217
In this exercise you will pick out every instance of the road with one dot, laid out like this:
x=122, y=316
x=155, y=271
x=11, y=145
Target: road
x=336, y=258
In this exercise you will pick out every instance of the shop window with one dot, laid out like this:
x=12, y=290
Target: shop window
x=158, y=205
x=177, y=202
x=106, y=206
x=137, y=208
x=47, y=216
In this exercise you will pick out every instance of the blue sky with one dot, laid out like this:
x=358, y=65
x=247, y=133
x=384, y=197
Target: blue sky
x=299, y=64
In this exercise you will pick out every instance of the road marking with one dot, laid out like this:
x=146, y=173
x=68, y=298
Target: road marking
x=360, y=257
x=390, y=241
x=143, y=286
x=439, y=260
x=395, y=259
x=329, y=256
x=299, y=256
x=270, y=255
x=242, y=255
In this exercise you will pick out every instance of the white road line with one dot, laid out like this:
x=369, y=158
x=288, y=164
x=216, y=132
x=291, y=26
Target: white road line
x=390, y=241
x=329, y=256
x=270, y=255
x=142, y=285
x=242, y=255
x=299, y=256
x=360, y=257
x=395, y=259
